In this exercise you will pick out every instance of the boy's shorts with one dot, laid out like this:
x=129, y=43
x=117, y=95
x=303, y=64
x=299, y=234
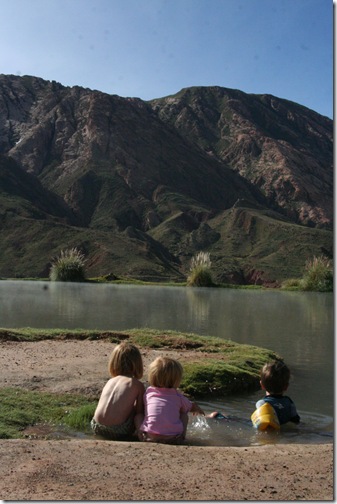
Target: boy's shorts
x=114, y=432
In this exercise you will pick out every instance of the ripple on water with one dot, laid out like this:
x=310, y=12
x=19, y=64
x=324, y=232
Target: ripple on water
x=235, y=431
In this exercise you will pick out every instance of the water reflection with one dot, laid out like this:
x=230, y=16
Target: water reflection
x=199, y=305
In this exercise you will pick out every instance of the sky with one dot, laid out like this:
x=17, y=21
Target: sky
x=154, y=48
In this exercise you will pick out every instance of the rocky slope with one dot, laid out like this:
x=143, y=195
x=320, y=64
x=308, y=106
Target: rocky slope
x=283, y=148
x=140, y=186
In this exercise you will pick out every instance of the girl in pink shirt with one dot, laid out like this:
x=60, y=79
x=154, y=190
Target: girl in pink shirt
x=165, y=409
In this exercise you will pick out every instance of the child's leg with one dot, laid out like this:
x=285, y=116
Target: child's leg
x=138, y=420
x=184, y=419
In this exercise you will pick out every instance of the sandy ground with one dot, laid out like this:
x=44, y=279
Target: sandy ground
x=89, y=469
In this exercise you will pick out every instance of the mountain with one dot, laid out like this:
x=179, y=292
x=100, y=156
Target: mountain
x=283, y=148
x=140, y=186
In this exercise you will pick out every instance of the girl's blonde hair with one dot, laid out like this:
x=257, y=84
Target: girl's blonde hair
x=165, y=372
x=126, y=360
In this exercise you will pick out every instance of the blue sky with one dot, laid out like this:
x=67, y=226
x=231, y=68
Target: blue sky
x=154, y=48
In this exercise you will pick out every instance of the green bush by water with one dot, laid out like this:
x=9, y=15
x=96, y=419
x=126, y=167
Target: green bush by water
x=318, y=275
x=68, y=267
x=200, y=271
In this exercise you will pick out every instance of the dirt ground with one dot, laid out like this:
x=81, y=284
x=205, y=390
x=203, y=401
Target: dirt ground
x=92, y=470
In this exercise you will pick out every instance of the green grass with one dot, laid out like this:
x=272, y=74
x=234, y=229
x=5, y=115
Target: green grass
x=144, y=338
x=79, y=418
x=291, y=284
x=22, y=408
x=235, y=369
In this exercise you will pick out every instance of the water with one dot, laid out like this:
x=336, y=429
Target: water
x=298, y=326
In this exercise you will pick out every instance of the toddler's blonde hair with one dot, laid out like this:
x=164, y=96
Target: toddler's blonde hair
x=165, y=372
x=126, y=360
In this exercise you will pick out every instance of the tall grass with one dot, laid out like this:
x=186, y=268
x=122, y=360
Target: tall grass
x=318, y=275
x=68, y=267
x=200, y=271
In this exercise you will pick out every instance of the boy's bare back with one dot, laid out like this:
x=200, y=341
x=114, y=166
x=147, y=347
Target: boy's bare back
x=120, y=397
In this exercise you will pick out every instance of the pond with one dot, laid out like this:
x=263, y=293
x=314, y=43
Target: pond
x=296, y=325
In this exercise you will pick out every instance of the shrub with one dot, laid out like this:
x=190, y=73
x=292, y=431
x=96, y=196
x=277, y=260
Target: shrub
x=318, y=275
x=291, y=284
x=200, y=271
x=68, y=267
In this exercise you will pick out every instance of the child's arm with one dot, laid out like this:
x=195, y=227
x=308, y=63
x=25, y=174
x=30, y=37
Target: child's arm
x=295, y=418
x=196, y=410
x=140, y=399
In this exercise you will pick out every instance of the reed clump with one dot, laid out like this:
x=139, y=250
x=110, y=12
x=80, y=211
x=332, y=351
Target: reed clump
x=68, y=267
x=318, y=275
x=200, y=271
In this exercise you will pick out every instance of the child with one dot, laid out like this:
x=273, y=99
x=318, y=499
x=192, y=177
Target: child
x=165, y=408
x=120, y=407
x=275, y=381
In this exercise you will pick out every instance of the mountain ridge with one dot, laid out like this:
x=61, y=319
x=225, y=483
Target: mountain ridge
x=164, y=178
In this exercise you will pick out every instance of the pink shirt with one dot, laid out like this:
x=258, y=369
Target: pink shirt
x=162, y=411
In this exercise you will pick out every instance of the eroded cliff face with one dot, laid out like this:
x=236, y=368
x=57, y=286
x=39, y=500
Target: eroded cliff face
x=82, y=144
x=281, y=147
x=163, y=179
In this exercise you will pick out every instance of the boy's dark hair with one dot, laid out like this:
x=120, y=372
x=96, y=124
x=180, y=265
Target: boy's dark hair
x=275, y=377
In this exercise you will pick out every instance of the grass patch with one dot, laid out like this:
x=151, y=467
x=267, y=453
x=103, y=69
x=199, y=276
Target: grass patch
x=235, y=370
x=32, y=334
x=144, y=338
x=21, y=409
x=291, y=284
x=80, y=418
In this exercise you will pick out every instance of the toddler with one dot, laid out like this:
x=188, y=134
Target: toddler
x=166, y=409
x=275, y=381
x=120, y=408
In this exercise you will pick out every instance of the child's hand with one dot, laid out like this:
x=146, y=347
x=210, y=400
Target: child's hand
x=196, y=410
x=215, y=414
